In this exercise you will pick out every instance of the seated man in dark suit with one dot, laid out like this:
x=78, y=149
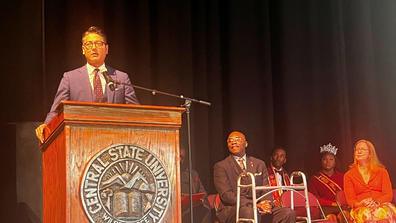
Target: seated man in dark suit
x=226, y=173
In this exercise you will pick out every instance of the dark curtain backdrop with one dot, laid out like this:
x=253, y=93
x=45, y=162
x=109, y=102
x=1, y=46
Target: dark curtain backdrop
x=298, y=74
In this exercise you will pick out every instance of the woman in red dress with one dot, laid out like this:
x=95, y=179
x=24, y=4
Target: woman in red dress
x=327, y=182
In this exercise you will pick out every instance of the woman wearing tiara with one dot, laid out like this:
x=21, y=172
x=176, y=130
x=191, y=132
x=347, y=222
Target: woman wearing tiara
x=327, y=182
x=368, y=189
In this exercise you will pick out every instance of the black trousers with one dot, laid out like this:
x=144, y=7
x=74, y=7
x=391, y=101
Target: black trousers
x=201, y=215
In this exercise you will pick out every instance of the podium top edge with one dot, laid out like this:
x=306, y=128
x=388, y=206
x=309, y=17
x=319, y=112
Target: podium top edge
x=113, y=105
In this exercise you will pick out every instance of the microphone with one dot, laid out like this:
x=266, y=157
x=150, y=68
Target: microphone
x=109, y=80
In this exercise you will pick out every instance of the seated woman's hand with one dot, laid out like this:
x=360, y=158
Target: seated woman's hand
x=368, y=202
x=373, y=204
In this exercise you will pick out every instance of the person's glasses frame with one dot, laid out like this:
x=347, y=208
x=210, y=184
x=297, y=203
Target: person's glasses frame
x=98, y=44
x=236, y=139
x=362, y=149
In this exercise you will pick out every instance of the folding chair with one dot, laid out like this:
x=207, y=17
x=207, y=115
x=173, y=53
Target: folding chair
x=341, y=202
x=211, y=199
x=214, y=202
x=299, y=206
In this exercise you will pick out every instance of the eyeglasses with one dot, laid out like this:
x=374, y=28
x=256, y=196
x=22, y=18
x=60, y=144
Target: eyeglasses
x=362, y=149
x=236, y=139
x=98, y=44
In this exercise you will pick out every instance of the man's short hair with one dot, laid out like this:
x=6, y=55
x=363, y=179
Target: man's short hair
x=94, y=29
x=278, y=148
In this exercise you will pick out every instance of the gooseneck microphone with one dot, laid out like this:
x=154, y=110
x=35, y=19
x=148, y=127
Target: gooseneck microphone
x=109, y=80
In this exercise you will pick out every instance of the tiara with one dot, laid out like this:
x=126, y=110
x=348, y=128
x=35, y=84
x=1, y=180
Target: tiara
x=329, y=148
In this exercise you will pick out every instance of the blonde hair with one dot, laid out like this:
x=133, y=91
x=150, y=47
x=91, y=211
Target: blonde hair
x=373, y=158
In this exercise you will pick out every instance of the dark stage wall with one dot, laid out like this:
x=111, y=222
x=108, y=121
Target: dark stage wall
x=294, y=73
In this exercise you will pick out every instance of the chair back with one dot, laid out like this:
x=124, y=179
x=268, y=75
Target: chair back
x=299, y=203
x=342, y=205
x=214, y=200
x=211, y=199
x=340, y=198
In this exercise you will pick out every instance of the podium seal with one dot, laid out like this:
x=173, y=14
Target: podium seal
x=125, y=183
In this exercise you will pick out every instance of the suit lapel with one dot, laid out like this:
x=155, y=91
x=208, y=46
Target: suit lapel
x=234, y=165
x=85, y=81
x=108, y=92
x=250, y=165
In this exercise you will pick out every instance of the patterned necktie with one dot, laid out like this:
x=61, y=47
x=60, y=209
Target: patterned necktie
x=97, y=86
x=241, y=164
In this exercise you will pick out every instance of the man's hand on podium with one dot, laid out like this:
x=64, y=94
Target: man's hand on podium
x=42, y=131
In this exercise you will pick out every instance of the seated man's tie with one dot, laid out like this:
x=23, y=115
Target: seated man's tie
x=241, y=163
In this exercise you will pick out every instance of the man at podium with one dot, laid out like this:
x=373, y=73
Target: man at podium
x=91, y=82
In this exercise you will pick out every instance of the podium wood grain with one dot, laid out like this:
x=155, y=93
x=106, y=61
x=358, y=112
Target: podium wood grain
x=81, y=130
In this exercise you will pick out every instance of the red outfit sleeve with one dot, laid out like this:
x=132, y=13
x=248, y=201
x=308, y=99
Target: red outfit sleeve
x=313, y=186
x=350, y=193
x=324, y=202
x=387, y=192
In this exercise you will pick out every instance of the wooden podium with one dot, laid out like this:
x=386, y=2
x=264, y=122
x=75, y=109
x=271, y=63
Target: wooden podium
x=112, y=163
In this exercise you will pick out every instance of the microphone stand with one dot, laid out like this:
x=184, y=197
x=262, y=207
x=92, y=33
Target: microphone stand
x=187, y=105
x=154, y=92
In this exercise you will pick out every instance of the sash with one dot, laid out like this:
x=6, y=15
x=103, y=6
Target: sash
x=273, y=182
x=326, y=181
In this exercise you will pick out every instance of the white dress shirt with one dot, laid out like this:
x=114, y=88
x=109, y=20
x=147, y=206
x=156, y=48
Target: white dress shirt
x=91, y=75
x=279, y=177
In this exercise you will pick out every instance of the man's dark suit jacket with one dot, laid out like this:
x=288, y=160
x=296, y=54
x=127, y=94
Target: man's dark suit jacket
x=226, y=173
x=75, y=86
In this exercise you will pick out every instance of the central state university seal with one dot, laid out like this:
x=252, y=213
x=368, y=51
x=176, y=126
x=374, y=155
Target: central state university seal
x=125, y=183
